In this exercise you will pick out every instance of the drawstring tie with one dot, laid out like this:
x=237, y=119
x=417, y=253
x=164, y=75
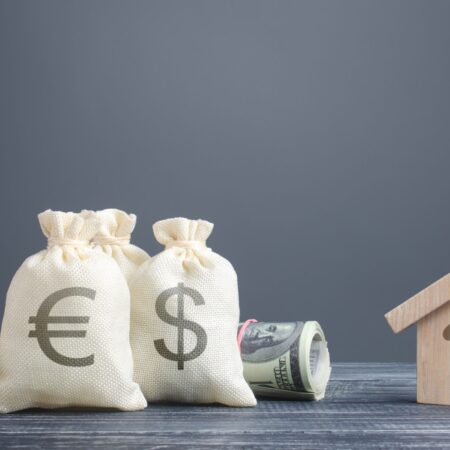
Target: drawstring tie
x=66, y=241
x=194, y=245
x=111, y=240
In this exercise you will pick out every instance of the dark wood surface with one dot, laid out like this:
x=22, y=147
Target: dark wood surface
x=366, y=406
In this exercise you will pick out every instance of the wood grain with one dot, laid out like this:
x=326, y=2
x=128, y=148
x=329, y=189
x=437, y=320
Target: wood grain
x=430, y=311
x=367, y=406
x=420, y=305
x=433, y=358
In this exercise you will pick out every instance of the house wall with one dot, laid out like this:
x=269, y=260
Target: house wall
x=433, y=358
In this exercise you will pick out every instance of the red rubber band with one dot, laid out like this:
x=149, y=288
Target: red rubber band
x=242, y=331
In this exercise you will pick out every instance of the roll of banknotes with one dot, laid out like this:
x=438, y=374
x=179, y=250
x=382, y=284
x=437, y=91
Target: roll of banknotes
x=285, y=359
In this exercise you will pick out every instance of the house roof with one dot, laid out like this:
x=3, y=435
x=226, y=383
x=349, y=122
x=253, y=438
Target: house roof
x=420, y=305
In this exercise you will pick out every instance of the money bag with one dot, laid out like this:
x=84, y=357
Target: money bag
x=113, y=238
x=184, y=319
x=64, y=339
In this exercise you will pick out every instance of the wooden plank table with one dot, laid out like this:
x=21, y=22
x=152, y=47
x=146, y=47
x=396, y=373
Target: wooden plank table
x=369, y=405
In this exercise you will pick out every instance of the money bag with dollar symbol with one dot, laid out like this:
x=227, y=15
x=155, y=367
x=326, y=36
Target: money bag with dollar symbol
x=65, y=334
x=184, y=319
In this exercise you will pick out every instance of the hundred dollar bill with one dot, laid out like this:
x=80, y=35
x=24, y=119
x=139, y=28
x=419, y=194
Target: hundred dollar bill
x=286, y=359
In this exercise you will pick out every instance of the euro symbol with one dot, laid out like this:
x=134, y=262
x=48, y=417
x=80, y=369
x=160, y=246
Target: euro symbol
x=43, y=334
x=181, y=323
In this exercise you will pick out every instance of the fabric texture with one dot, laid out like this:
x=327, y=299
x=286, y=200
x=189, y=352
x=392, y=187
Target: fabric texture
x=113, y=238
x=184, y=320
x=65, y=334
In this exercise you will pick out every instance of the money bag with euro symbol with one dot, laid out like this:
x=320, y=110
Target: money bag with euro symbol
x=65, y=334
x=184, y=318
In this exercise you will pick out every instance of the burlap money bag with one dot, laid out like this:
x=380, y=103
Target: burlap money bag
x=65, y=335
x=185, y=314
x=113, y=238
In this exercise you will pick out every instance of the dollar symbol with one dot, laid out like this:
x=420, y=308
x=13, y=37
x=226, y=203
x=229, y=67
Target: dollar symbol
x=43, y=334
x=181, y=323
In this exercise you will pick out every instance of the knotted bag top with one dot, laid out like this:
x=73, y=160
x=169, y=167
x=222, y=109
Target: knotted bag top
x=183, y=233
x=113, y=239
x=115, y=227
x=68, y=228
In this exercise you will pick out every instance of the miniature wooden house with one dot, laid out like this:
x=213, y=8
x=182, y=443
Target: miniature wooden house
x=430, y=309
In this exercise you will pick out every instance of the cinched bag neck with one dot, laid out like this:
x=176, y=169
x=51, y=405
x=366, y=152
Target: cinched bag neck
x=52, y=241
x=68, y=228
x=193, y=245
x=112, y=240
x=115, y=226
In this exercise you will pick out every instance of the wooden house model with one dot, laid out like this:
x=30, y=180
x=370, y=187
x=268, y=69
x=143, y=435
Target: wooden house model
x=430, y=310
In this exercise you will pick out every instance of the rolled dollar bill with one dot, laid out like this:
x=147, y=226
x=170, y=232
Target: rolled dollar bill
x=285, y=359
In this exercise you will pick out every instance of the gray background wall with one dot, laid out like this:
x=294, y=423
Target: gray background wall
x=314, y=134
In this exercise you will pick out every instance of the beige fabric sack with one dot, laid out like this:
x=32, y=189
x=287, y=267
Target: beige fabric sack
x=65, y=334
x=113, y=238
x=185, y=315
